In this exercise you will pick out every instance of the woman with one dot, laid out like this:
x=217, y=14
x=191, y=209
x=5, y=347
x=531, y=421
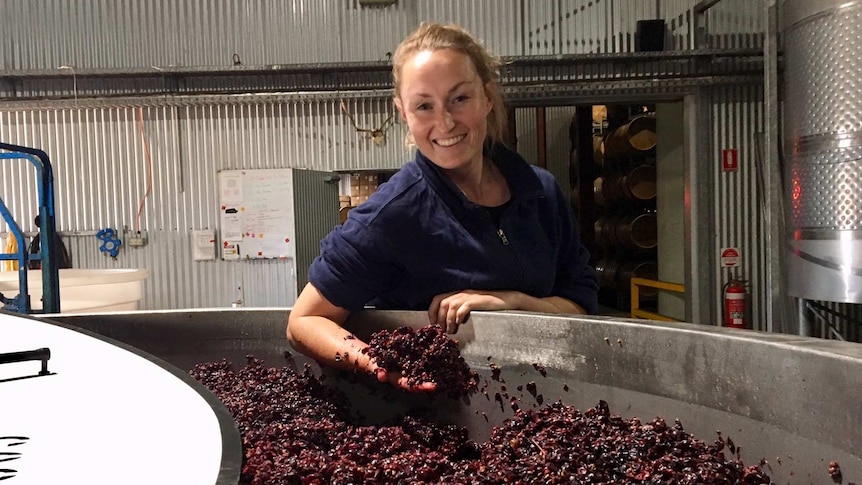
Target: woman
x=468, y=225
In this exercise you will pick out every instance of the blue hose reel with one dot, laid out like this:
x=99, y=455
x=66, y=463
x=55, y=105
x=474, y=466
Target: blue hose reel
x=110, y=242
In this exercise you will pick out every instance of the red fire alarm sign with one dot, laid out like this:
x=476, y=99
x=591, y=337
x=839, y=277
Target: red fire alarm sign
x=730, y=159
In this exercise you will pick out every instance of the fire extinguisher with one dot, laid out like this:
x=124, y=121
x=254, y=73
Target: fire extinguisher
x=734, y=303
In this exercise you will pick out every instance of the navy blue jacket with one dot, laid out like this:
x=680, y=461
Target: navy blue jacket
x=418, y=236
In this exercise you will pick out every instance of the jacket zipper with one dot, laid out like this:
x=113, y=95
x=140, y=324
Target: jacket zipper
x=503, y=237
x=513, y=254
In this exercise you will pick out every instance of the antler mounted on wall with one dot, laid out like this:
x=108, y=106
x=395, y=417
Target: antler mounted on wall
x=377, y=135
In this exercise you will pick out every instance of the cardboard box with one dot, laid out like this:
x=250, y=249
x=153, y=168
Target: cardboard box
x=342, y=214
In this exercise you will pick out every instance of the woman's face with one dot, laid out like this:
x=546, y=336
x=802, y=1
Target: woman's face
x=442, y=99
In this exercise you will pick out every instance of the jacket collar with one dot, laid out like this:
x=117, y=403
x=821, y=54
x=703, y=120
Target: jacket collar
x=523, y=182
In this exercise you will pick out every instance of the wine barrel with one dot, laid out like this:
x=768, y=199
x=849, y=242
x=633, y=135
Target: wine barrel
x=640, y=183
x=635, y=231
x=610, y=188
x=605, y=228
x=606, y=270
x=598, y=195
x=638, y=135
x=598, y=150
x=640, y=269
x=599, y=230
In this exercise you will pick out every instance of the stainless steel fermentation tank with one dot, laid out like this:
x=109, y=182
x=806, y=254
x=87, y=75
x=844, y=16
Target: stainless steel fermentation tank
x=823, y=148
x=792, y=401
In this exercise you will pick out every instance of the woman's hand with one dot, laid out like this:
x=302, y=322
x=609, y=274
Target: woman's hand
x=449, y=310
x=359, y=361
x=397, y=380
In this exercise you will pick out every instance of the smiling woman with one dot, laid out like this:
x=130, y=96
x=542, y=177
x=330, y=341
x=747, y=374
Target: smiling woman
x=479, y=67
x=446, y=108
x=467, y=225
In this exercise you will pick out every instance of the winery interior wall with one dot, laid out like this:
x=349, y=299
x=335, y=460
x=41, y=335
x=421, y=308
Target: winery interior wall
x=738, y=203
x=102, y=174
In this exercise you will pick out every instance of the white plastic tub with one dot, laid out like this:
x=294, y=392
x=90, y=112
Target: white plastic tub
x=84, y=290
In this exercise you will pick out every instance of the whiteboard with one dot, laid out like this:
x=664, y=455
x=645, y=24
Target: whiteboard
x=256, y=214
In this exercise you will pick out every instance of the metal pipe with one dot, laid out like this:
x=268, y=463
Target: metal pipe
x=348, y=78
x=778, y=305
x=704, y=5
x=802, y=316
x=699, y=28
x=161, y=73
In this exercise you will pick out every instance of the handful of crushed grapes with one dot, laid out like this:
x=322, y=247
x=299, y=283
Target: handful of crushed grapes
x=423, y=355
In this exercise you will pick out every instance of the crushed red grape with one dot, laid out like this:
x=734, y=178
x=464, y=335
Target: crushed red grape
x=422, y=355
x=834, y=471
x=295, y=430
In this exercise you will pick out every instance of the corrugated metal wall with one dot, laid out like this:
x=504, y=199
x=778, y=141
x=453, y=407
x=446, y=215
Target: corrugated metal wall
x=557, y=140
x=737, y=114
x=735, y=23
x=46, y=34
x=98, y=154
x=525, y=133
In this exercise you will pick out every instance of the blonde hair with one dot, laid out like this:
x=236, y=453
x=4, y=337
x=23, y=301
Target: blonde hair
x=432, y=36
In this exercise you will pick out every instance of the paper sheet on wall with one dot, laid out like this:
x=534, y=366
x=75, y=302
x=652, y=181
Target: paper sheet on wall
x=231, y=224
x=231, y=188
x=257, y=219
x=203, y=245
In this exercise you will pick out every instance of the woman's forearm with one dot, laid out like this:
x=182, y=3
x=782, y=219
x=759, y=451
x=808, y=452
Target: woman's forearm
x=327, y=342
x=314, y=328
x=550, y=304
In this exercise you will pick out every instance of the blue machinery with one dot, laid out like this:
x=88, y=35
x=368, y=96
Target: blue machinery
x=47, y=233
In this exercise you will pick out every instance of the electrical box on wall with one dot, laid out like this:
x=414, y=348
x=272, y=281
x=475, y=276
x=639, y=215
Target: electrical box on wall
x=203, y=245
x=136, y=239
